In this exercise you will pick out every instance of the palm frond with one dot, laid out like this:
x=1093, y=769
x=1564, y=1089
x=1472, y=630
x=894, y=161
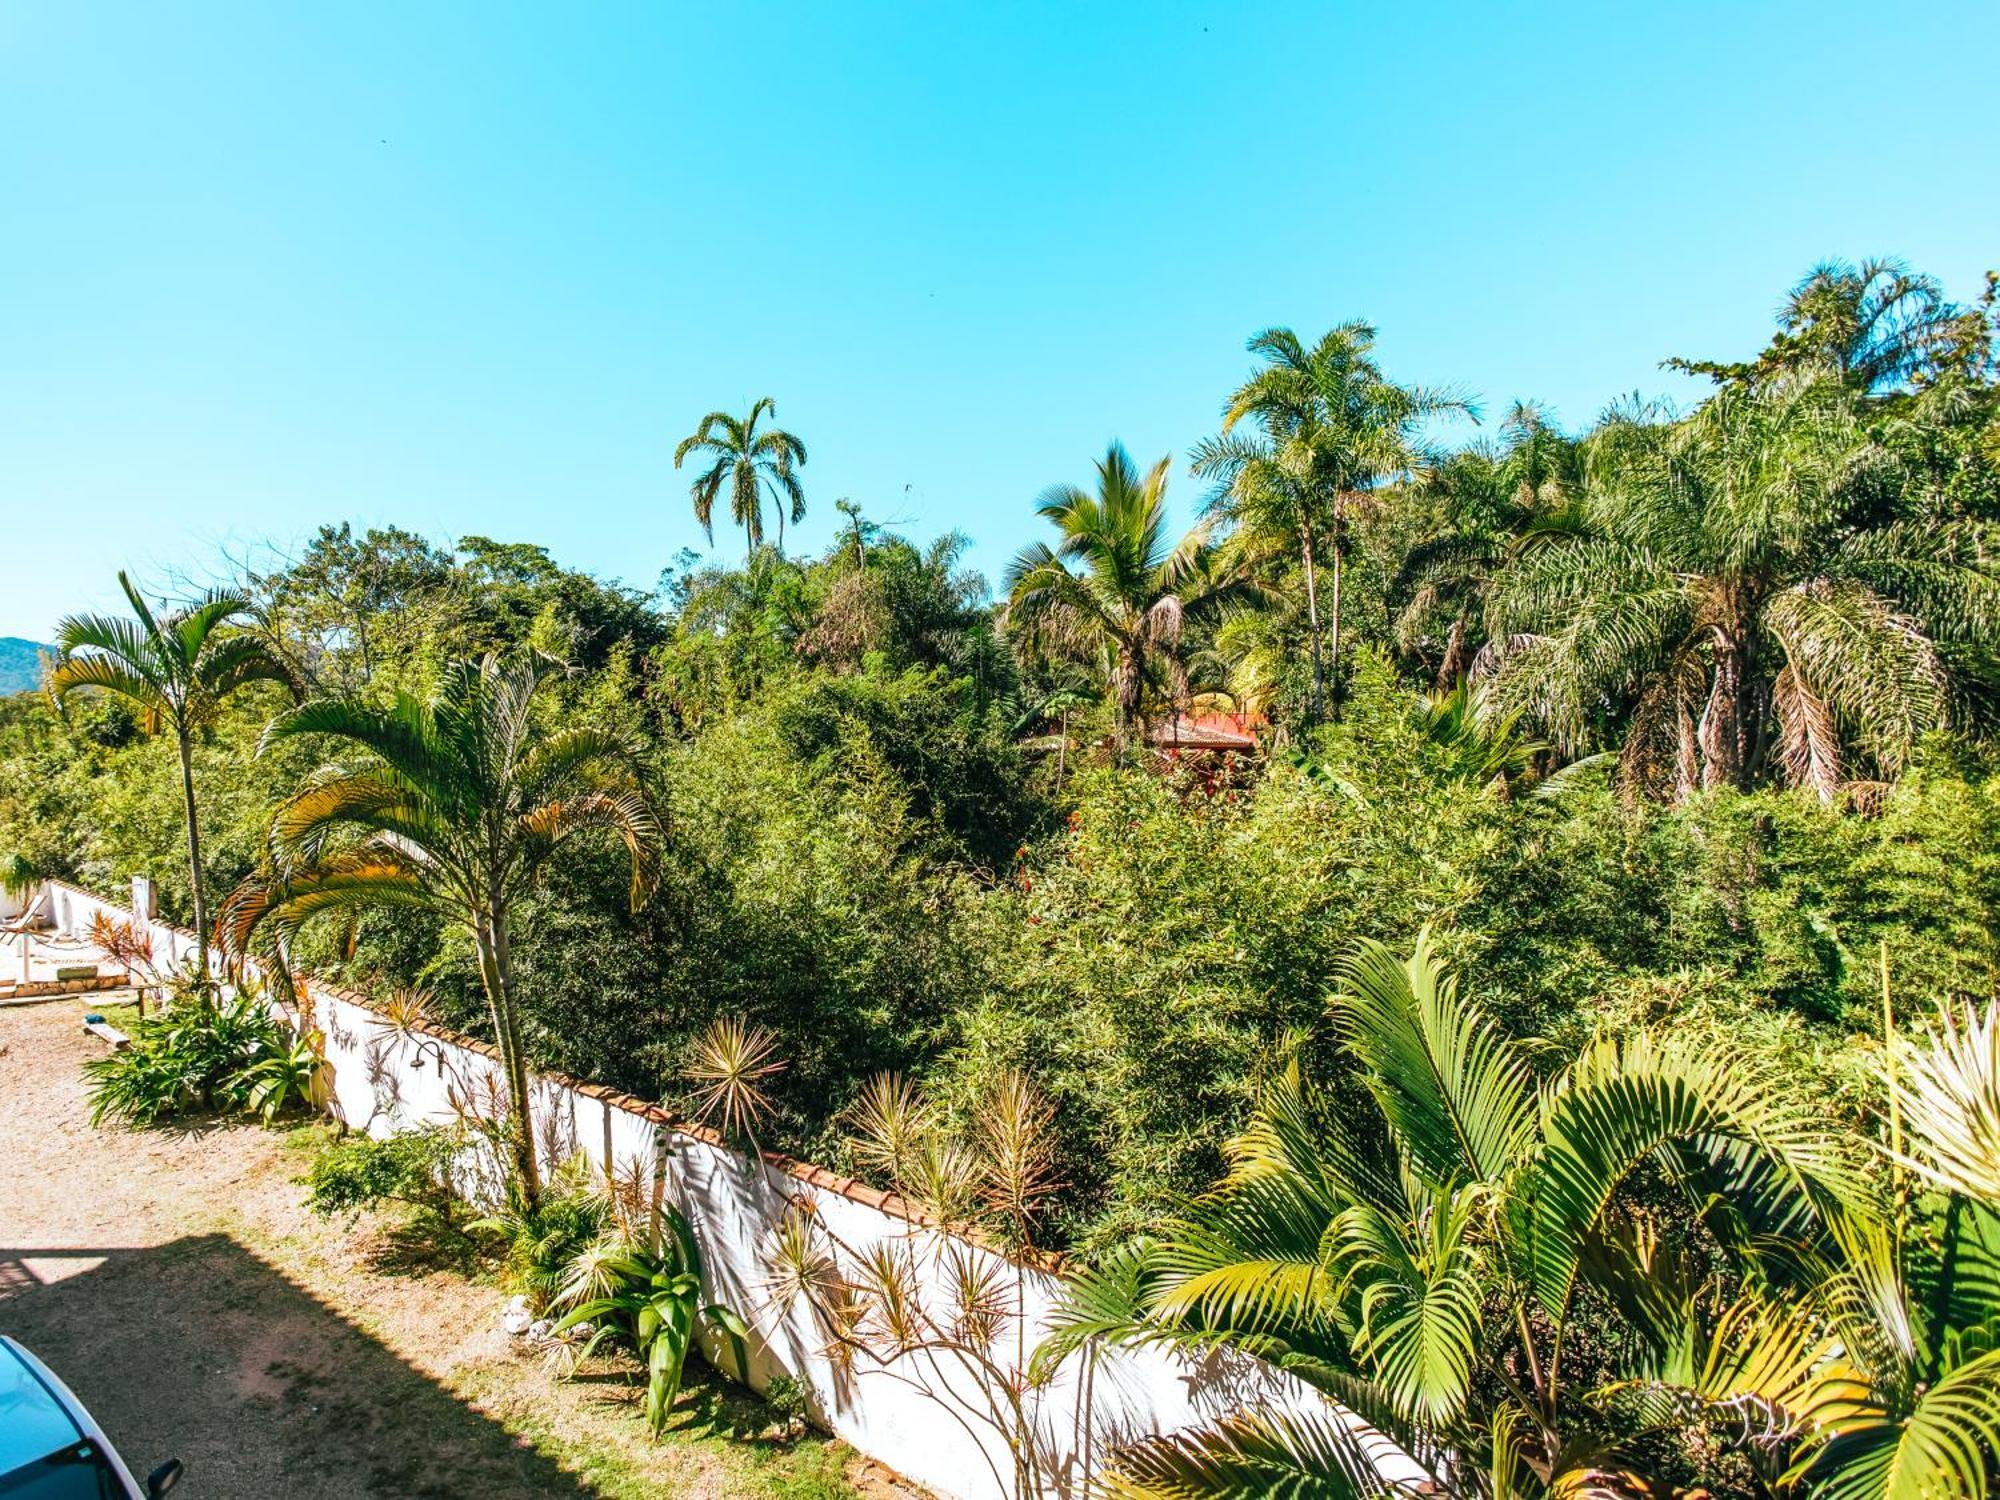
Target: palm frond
x=1948, y=1091
x=1454, y=1090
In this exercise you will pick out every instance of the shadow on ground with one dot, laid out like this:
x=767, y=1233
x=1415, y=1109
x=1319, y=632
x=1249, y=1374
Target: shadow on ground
x=200, y=1350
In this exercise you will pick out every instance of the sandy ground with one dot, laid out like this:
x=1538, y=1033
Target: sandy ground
x=175, y=1281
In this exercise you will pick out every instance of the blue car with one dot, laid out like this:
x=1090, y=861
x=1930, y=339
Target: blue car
x=51, y=1449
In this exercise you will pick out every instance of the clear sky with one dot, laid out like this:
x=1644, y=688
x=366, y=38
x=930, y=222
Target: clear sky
x=475, y=268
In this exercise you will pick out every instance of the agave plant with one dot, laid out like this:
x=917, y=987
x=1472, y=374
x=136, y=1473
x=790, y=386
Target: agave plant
x=1540, y=1290
x=649, y=1297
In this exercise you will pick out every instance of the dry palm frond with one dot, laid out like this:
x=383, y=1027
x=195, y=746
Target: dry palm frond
x=1808, y=737
x=729, y=1065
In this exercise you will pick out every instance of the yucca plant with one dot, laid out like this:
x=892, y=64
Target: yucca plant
x=453, y=804
x=1481, y=1269
x=176, y=669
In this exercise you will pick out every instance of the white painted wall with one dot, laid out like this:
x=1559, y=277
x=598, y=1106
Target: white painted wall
x=917, y=1417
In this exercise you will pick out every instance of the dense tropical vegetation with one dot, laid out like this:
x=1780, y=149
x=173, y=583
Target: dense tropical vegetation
x=1676, y=735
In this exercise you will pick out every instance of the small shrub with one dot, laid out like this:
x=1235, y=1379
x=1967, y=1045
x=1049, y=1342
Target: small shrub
x=541, y=1243
x=359, y=1172
x=788, y=1401
x=195, y=1057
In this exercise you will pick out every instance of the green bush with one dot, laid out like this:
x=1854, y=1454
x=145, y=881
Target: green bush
x=195, y=1057
x=359, y=1172
x=540, y=1243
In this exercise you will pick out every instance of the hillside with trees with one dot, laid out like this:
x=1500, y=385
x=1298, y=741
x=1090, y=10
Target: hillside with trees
x=1682, y=723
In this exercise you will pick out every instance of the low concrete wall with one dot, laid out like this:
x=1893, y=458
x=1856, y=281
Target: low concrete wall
x=920, y=1415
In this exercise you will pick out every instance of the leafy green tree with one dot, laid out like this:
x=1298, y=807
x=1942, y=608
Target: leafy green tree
x=1117, y=581
x=1745, y=583
x=456, y=807
x=176, y=670
x=749, y=462
x=1331, y=428
x=334, y=600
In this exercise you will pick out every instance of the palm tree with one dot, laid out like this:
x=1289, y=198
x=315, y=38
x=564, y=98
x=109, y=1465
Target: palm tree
x=1332, y=427
x=1874, y=327
x=749, y=462
x=1742, y=580
x=456, y=806
x=177, y=669
x=1436, y=1269
x=1473, y=510
x=1131, y=585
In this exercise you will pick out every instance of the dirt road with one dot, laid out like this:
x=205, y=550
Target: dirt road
x=174, y=1280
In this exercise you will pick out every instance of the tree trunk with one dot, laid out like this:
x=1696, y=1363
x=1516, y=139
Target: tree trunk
x=1453, y=665
x=1723, y=741
x=496, y=972
x=1312, y=615
x=186, y=748
x=1334, y=672
x=1131, y=687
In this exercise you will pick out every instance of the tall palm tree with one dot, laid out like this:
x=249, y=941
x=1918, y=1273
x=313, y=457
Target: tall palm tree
x=1118, y=581
x=1471, y=511
x=1744, y=583
x=750, y=463
x=177, y=669
x=455, y=806
x=1435, y=1269
x=1332, y=428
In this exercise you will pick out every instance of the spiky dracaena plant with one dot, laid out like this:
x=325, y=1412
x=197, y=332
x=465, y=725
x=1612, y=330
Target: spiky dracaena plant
x=1434, y=1269
x=176, y=669
x=944, y=1317
x=748, y=463
x=728, y=1065
x=1746, y=591
x=1118, y=582
x=452, y=804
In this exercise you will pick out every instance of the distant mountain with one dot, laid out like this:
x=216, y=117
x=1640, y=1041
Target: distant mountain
x=20, y=665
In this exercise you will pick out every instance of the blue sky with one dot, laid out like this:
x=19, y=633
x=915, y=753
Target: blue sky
x=474, y=269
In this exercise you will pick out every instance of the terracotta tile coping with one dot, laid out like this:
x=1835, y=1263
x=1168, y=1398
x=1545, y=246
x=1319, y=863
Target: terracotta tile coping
x=850, y=1188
